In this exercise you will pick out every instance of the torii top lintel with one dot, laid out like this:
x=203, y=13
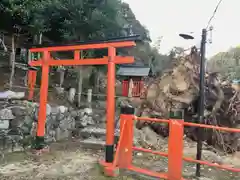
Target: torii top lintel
x=110, y=43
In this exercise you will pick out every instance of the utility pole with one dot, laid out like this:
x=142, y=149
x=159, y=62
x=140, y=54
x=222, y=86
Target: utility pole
x=201, y=100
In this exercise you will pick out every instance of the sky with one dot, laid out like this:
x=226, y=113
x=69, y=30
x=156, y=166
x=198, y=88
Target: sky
x=168, y=18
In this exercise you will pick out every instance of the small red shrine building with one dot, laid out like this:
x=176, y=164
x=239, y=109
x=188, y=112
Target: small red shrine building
x=135, y=72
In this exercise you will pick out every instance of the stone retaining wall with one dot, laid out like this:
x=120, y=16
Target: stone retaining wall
x=61, y=123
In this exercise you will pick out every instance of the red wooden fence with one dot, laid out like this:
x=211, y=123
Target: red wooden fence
x=125, y=86
x=137, y=90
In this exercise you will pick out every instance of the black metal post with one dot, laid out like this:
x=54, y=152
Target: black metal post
x=201, y=100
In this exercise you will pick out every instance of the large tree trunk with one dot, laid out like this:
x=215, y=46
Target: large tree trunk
x=178, y=88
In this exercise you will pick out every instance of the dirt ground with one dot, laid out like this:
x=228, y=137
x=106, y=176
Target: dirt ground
x=67, y=161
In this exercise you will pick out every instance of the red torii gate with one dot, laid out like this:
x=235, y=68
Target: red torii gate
x=46, y=61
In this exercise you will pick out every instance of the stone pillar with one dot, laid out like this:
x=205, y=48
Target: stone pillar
x=89, y=97
x=71, y=95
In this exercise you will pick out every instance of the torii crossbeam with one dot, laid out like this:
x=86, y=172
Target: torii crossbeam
x=46, y=61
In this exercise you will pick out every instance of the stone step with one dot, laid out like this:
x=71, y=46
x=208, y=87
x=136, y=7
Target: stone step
x=93, y=144
x=99, y=133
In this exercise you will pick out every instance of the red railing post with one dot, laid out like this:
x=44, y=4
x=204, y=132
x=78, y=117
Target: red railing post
x=126, y=146
x=175, y=145
x=123, y=155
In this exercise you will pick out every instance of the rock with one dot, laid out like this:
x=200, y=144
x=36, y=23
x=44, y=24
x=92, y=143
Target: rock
x=24, y=112
x=59, y=90
x=51, y=136
x=19, y=111
x=4, y=124
x=62, y=109
x=48, y=111
x=100, y=119
x=101, y=104
x=87, y=111
x=84, y=118
x=83, y=121
x=11, y=95
x=147, y=138
x=99, y=133
x=59, y=110
x=6, y=114
x=60, y=124
x=26, y=125
x=61, y=134
x=67, y=123
x=73, y=113
x=54, y=110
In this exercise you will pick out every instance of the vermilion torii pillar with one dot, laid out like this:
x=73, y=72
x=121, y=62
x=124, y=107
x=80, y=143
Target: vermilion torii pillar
x=46, y=61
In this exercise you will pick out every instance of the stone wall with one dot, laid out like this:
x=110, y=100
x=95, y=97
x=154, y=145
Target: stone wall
x=61, y=123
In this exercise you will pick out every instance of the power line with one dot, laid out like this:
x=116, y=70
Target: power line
x=201, y=91
x=214, y=13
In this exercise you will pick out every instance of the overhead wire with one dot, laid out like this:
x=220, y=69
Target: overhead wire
x=214, y=13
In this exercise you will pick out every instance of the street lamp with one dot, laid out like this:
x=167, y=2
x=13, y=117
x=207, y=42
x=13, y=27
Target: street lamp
x=201, y=95
x=186, y=36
